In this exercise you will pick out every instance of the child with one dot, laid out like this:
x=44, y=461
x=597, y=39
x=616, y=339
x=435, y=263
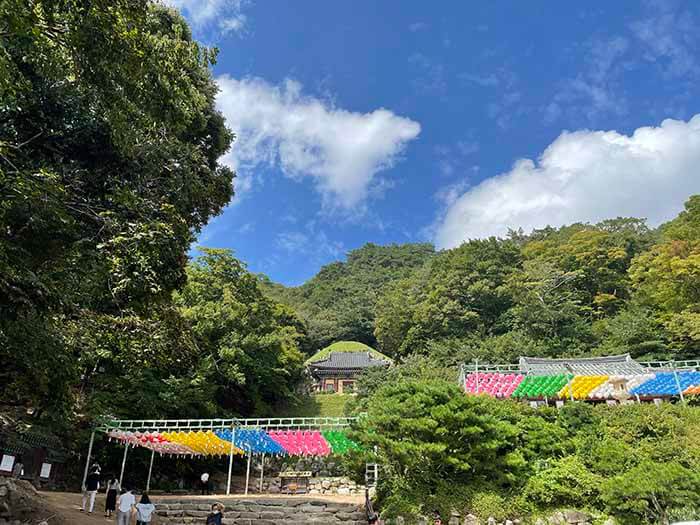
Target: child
x=217, y=514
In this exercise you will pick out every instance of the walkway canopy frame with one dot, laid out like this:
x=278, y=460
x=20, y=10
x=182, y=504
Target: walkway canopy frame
x=109, y=426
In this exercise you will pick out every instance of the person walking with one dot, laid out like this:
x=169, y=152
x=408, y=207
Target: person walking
x=125, y=507
x=92, y=485
x=205, y=483
x=112, y=493
x=144, y=510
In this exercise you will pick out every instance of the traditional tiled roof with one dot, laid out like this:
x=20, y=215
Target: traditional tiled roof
x=589, y=366
x=348, y=361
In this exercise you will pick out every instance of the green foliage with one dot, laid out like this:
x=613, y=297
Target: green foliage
x=564, y=482
x=651, y=492
x=339, y=302
x=109, y=140
x=243, y=338
x=317, y=405
x=446, y=451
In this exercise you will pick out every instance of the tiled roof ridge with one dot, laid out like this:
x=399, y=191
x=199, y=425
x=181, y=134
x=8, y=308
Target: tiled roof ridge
x=621, y=358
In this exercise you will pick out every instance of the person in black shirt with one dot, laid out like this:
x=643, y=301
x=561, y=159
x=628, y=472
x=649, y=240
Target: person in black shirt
x=92, y=485
x=217, y=514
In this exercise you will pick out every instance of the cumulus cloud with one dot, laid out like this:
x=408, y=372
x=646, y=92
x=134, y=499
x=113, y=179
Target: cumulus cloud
x=343, y=152
x=224, y=15
x=583, y=176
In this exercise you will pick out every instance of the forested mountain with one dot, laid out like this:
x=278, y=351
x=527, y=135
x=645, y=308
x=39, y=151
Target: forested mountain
x=339, y=302
x=583, y=289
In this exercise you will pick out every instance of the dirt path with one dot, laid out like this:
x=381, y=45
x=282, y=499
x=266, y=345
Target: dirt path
x=67, y=504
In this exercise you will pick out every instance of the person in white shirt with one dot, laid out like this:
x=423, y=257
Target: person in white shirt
x=205, y=483
x=144, y=510
x=125, y=507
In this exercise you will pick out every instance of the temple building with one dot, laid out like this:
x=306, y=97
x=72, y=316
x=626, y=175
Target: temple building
x=337, y=367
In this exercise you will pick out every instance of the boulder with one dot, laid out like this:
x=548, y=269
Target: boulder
x=574, y=517
x=470, y=519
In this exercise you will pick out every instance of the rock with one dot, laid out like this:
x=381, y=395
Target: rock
x=326, y=484
x=491, y=521
x=507, y=522
x=574, y=516
x=557, y=519
x=470, y=519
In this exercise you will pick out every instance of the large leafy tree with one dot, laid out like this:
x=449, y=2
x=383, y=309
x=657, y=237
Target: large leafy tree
x=109, y=141
x=247, y=343
x=667, y=279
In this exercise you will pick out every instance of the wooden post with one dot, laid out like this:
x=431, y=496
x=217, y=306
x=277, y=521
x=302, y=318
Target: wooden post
x=87, y=461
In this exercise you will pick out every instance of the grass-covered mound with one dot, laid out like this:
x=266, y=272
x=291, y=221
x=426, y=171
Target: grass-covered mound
x=345, y=346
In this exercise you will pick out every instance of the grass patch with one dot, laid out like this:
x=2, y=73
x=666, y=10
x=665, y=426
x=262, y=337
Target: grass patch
x=345, y=346
x=319, y=405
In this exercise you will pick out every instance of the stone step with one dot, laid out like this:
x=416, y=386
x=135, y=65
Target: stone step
x=290, y=511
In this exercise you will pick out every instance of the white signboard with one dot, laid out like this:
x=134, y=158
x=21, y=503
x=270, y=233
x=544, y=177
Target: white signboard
x=7, y=463
x=45, y=470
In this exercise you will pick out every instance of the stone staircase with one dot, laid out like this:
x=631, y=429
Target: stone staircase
x=263, y=511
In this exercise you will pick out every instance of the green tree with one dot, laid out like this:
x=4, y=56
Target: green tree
x=667, y=278
x=652, y=492
x=109, y=147
x=248, y=347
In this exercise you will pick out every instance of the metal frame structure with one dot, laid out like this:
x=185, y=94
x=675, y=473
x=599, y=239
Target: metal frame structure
x=650, y=366
x=193, y=425
x=661, y=366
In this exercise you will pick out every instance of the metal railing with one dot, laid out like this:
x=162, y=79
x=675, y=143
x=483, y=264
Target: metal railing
x=170, y=425
x=466, y=368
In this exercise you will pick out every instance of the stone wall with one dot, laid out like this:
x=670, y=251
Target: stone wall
x=261, y=511
x=316, y=486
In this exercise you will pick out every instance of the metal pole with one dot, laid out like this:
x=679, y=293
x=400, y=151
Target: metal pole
x=476, y=370
x=150, y=469
x=247, y=472
x=678, y=384
x=230, y=460
x=121, y=474
x=87, y=461
x=262, y=471
x=376, y=468
x=570, y=381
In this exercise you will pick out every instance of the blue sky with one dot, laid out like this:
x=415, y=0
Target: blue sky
x=400, y=121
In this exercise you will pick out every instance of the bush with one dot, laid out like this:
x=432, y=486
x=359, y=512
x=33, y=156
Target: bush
x=566, y=482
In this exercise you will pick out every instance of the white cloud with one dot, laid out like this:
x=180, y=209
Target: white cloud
x=226, y=15
x=583, y=176
x=342, y=151
x=311, y=242
x=670, y=39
